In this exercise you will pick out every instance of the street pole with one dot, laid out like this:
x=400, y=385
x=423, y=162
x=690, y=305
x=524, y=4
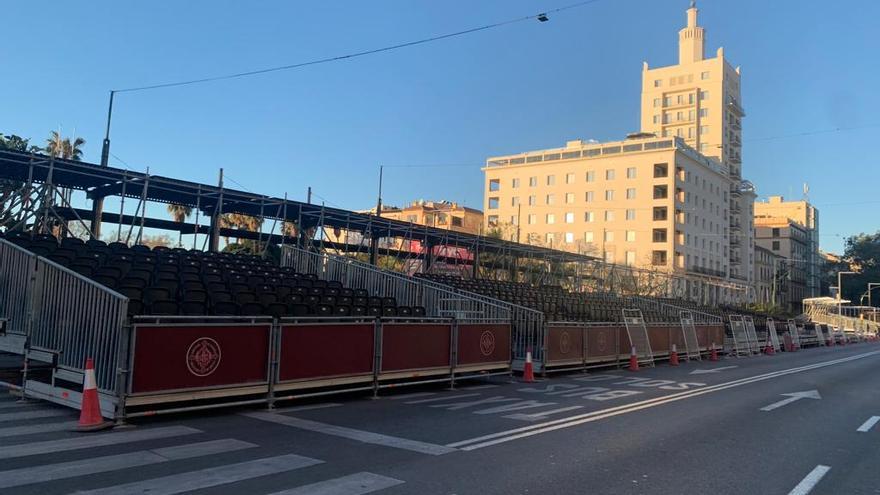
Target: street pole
x=374, y=242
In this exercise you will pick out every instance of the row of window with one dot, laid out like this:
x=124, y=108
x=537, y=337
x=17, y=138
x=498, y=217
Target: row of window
x=683, y=79
x=670, y=118
x=682, y=99
x=587, y=153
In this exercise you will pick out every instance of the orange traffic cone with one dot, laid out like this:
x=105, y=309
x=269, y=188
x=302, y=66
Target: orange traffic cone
x=528, y=369
x=673, y=356
x=633, y=360
x=770, y=350
x=90, y=410
x=713, y=353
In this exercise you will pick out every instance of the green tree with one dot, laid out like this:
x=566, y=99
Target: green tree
x=862, y=255
x=179, y=213
x=10, y=189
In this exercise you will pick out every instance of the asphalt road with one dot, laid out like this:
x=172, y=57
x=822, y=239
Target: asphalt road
x=703, y=427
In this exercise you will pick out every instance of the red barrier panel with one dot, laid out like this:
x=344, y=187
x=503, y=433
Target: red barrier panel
x=707, y=334
x=602, y=343
x=413, y=346
x=176, y=357
x=659, y=338
x=676, y=336
x=325, y=350
x=483, y=343
x=565, y=344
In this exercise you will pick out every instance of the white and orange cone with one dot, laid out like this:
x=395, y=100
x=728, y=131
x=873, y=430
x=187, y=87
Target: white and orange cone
x=528, y=369
x=90, y=418
x=673, y=356
x=633, y=360
x=713, y=353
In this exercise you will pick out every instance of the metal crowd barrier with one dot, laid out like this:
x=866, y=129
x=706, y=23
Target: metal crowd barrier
x=439, y=300
x=16, y=284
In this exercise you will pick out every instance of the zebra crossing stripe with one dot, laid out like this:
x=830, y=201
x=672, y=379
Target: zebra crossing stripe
x=353, y=484
x=34, y=414
x=112, y=438
x=210, y=477
x=13, y=431
x=95, y=465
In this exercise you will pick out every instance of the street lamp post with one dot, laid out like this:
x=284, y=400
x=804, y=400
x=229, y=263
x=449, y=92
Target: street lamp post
x=840, y=298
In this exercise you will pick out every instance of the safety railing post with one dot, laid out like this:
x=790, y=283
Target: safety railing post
x=123, y=363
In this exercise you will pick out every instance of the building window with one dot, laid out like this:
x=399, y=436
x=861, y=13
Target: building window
x=533, y=182
x=630, y=258
x=458, y=221
x=550, y=238
x=658, y=258
x=609, y=257
x=588, y=237
x=569, y=198
x=656, y=102
x=589, y=216
x=630, y=236
x=775, y=232
x=660, y=213
x=704, y=129
x=548, y=200
x=661, y=170
x=631, y=193
x=704, y=95
x=493, y=203
x=661, y=192
x=630, y=214
x=609, y=174
x=550, y=219
x=514, y=201
x=533, y=200
x=551, y=180
x=609, y=195
x=493, y=220
x=656, y=118
x=588, y=197
x=657, y=83
x=609, y=215
x=569, y=178
x=533, y=219
x=659, y=235
x=609, y=236
x=569, y=237
x=514, y=183
x=776, y=245
x=591, y=176
x=494, y=184
x=704, y=112
x=704, y=75
x=513, y=220
x=569, y=218
x=631, y=173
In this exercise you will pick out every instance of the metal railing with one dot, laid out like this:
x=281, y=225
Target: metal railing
x=439, y=300
x=61, y=314
x=673, y=312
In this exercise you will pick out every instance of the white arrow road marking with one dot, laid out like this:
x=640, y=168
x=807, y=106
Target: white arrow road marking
x=807, y=484
x=867, y=425
x=713, y=370
x=792, y=397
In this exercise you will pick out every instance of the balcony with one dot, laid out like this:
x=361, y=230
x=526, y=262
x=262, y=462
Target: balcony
x=735, y=107
x=708, y=271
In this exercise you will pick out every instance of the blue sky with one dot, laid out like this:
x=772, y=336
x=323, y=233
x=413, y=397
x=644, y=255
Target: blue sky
x=807, y=66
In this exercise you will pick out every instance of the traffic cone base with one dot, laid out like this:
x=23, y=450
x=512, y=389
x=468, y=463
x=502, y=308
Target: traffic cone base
x=673, y=356
x=90, y=418
x=713, y=354
x=528, y=368
x=633, y=360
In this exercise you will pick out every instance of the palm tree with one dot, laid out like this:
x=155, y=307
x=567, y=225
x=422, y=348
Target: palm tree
x=63, y=147
x=179, y=213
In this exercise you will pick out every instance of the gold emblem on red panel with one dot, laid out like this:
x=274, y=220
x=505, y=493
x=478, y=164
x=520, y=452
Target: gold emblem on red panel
x=565, y=342
x=203, y=356
x=487, y=343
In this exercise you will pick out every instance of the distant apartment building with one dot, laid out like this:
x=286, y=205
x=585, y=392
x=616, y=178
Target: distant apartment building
x=766, y=265
x=669, y=198
x=790, y=241
x=807, y=216
x=438, y=214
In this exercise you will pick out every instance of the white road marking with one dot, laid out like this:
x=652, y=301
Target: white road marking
x=210, y=477
x=807, y=484
x=793, y=397
x=33, y=429
x=516, y=406
x=438, y=399
x=526, y=431
x=867, y=425
x=353, y=484
x=309, y=407
x=455, y=406
x=98, y=440
x=352, y=434
x=34, y=414
x=412, y=396
x=543, y=414
x=94, y=465
x=713, y=370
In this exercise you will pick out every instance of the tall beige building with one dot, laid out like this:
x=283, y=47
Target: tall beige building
x=698, y=100
x=653, y=200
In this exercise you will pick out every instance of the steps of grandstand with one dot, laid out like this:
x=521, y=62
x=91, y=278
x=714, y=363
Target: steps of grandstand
x=163, y=281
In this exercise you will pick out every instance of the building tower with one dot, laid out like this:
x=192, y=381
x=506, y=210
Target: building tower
x=698, y=100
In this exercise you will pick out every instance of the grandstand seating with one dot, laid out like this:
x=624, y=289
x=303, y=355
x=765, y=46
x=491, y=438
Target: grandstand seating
x=164, y=281
x=555, y=302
